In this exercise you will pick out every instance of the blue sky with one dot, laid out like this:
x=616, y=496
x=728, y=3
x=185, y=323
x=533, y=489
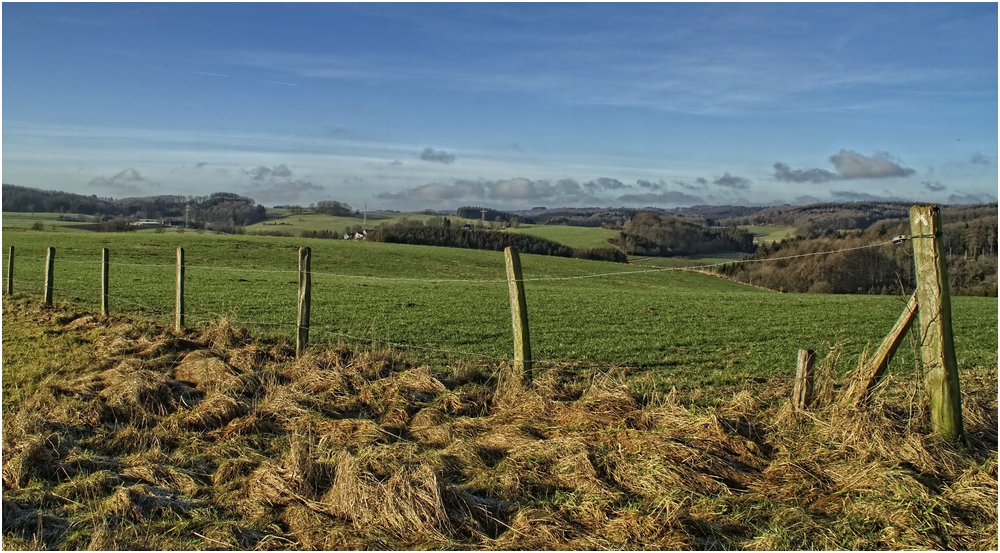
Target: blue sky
x=417, y=106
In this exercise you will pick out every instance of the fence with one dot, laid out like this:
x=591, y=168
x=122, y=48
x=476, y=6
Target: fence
x=931, y=304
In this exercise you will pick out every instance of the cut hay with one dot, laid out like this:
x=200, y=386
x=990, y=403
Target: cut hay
x=206, y=372
x=408, y=503
x=215, y=440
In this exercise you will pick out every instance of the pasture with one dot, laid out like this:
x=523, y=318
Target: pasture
x=667, y=327
x=574, y=237
x=764, y=234
x=658, y=416
x=296, y=223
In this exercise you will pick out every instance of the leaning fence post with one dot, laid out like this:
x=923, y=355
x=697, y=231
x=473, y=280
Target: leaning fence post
x=519, y=313
x=937, y=342
x=104, y=282
x=873, y=370
x=802, y=390
x=50, y=260
x=10, y=271
x=179, y=299
x=305, y=295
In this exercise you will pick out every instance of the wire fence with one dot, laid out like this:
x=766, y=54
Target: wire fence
x=150, y=298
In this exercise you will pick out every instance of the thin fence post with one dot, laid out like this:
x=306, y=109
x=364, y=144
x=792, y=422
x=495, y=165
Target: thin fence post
x=802, y=390
x=519, y=313
x=305, y=296
x=50, y=260
x=179, y=298
x=104, y=281
x=10, y=271
x=872, y=371
x=937, y=343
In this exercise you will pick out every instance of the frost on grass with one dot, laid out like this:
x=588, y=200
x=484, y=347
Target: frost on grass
x=215, y=440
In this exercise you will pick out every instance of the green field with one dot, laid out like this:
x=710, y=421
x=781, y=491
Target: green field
x=574, y=237
x=764, y=234
x=49, y=220
x=282, y=220
x=449, y=304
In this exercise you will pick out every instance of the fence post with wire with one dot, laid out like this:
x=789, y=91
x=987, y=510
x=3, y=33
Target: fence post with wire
x=937, y=343
x=179, y=298
x=50, y=261
x=518, y=313
x=305, y=297
x=10, y=271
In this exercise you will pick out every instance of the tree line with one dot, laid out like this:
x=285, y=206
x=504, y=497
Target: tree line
x=657, y=235
x=221, y=211
x=970, y=247
x=413, y=232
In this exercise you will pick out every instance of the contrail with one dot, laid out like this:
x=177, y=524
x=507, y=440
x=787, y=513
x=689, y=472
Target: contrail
x=242, y=78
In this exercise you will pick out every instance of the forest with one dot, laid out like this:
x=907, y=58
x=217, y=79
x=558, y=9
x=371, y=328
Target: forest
x=657, y=235
x=413, y=232
x=970, y=245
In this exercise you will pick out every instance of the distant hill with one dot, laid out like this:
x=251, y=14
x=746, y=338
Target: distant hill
x=220, y=210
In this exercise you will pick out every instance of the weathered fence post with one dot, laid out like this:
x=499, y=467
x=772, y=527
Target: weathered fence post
x=937, y=343
x=50, y=260
x=305, y=294
x=10, y=271
x=519, y=313
x=802, y=390
x=104, y=282
x=179, y=299
x=873, y=370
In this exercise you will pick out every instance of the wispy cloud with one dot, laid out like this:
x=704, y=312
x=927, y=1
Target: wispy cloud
x=437, y=192
x=439, y=156
x=933, y=186
x=220, y=75
x=651, y=185
x=849, y=165
x=979, y=159
x=127, y=182
x=275, y=185
x=734, y=182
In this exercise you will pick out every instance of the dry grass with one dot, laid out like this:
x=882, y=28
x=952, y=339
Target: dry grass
x=212, y=440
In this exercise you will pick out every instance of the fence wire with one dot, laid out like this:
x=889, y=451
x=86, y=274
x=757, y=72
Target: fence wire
x=209, y=316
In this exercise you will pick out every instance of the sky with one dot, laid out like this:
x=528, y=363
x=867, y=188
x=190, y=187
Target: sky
x=509, y=106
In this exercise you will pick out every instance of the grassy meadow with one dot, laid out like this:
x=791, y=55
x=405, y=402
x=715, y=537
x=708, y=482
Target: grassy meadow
x=668, y=327
x=296, y=223
x=575, y=237
x=658, y=417
x=764, y=234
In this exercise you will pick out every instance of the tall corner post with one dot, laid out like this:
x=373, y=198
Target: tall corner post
x=305, y=296
x=179, y=289
x=519, y=313
x=937, y=342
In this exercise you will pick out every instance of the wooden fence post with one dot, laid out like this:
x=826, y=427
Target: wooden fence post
x=104, y=282
x=937, y=343
x=10, y=271
x=50, y=260
x=519, y=313
x=873, y=370
x=179, y=299
x=802, y=390
x=305, y=295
